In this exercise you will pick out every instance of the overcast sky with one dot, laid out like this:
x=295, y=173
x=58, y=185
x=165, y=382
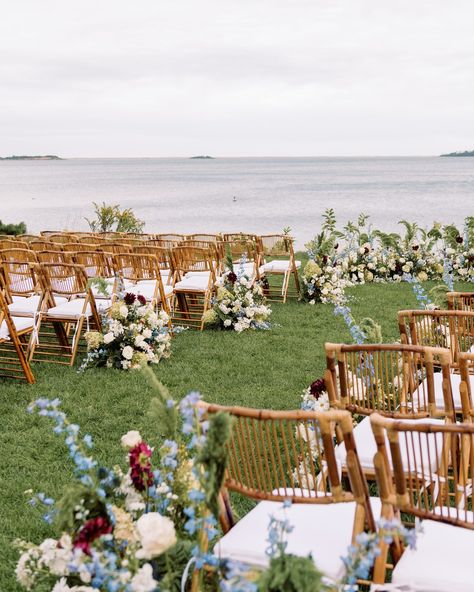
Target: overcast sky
x=240, y=78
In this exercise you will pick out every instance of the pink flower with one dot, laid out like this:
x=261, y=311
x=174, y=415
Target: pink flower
x=141, y=472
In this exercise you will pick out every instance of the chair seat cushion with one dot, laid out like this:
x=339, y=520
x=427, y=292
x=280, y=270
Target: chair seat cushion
x=21, y=324
x=72, y=309
x=193, y=284
x=24, y=306
x=322, y=530
x=147, y=289
x=441, y=562
x=278, y=266
x=455, y=383
x=418, y=454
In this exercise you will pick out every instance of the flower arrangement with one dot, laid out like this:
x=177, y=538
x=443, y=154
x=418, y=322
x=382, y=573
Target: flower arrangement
x=134, y=335
x=137, y=530
x=239, y=303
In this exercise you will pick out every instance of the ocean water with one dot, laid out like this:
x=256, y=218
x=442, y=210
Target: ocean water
x=184, y=195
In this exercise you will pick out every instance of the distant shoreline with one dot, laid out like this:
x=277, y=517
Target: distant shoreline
x=25, y=157
x=461, y=154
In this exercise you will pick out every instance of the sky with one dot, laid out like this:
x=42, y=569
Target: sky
x=161, y=78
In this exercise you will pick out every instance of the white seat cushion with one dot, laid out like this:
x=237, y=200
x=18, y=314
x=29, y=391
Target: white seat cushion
x=455, y=383
x=278, y=266
x=204, y=274
x=192, y=284
x=412, y=456
x=324, y=530
x=441, y=562
x=24, y=306
x=21, y=323
x=70, y=310
x=147, y=289
x=102, y=304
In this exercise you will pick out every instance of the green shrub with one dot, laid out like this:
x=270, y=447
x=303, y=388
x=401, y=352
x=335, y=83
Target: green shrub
x=13, y=229
x=113, y=219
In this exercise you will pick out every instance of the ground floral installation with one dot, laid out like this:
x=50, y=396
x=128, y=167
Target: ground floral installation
x=133, y=336
x=360, y=254
x=239, y=303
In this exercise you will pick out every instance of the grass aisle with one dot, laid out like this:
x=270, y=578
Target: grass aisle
x=257, y=369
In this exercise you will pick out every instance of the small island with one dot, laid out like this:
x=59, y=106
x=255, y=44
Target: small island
x=201, y=156
x=25, y=157
x=465, y=153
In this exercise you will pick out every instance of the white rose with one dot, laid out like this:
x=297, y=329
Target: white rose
x=127, y=352
x=147, y=333
x=123, y=310
x=143, y=580
x=131, y=439
x=157, y=535
x=108, y=338
x=227, y=323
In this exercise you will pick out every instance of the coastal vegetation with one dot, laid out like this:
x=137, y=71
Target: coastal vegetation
x=202, y=156
x=12, y=229
x=111, y=218
x=26, y=157
x=465, y=153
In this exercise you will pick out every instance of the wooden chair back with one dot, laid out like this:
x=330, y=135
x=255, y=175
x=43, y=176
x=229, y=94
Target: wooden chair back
x=394, y=380
x=45, y=245
x=7, y=243
x=187, y=259
x=162, y=255
x=62, y=238
x=170, y=237
x=18, y=255
x=27, y=238
x=64, y=279
x=95, y=263
x=137, y=266
x=54, y=256
x=163, y=244
x=204, y=237
x=280, y=455
x=78, y=246
x=460, y=300
x=115, y=247
x=276, y=245
x=451, y=329
x=20, y=277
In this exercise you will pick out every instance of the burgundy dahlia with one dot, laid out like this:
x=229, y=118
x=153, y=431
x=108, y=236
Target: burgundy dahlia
x=415, y=247
x=141, y=472
x=231, y=277
x=91, y=530
x=317, y=388
x=325, y=259
x=141, y=299
x=459, y=240
x=129, y=298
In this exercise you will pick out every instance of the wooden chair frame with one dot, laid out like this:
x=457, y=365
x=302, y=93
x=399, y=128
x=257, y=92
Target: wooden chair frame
x=278, y=246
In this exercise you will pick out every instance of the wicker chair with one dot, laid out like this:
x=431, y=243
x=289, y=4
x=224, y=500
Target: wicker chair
x=164, y=258
x=290, y=455
x=44, y=245
x=391, y=379
x=283, y=263
x=436, y=488
x=69, y=281
x=97, y=265
x=51, y=256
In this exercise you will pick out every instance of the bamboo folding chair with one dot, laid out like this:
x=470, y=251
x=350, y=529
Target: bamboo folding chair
x=52, y=256
x=193, y=285
x=48, y=233
x=163, y=244
x=18, y=255
x=171, y=237
x=244, y=254
x=283, y=263
x=91, y=239
x=78, y=246
x=215, y=253
x=142, y=275
x=44, y=245
x=98, y=266
x=460, y=300
x=164, y=258
x=391, y=379
x=15, y=332
x=204, y=237
x=442, y=560
x=27, y=238
x=62, y=237
x=115, y=247
x=290, y=455
x=67, y=319
x=24, y=293
x=13, y=244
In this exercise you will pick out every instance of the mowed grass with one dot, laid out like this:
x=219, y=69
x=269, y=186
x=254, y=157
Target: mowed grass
x=257, y=369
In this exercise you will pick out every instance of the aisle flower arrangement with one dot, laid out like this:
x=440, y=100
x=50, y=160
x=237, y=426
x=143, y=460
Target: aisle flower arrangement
x=133, y=336
x=239, y=303
x=137, y=529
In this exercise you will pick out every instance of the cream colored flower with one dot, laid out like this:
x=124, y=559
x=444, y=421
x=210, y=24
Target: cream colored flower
x=157, y=534
x=127, y=352
x=131, y=439
x=124, y=529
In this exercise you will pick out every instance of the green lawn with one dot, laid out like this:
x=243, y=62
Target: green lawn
x=257, y=369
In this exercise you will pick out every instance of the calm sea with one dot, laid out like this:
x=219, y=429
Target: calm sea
x=184, y=195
